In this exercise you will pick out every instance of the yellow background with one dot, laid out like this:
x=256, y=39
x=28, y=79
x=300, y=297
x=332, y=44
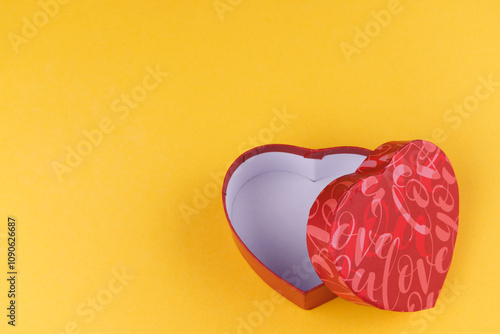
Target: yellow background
x=120, y=208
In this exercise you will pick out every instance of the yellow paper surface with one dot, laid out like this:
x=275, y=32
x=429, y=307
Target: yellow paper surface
x=128, y=234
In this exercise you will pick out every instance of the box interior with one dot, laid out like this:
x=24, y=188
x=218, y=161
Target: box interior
x=268, y=199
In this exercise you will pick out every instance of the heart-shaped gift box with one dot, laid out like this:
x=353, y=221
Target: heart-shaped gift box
x=376, y=228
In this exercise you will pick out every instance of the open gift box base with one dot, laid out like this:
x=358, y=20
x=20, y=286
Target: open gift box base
x=268, y=194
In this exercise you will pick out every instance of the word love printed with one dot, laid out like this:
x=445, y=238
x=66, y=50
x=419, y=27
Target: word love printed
x=384, y=235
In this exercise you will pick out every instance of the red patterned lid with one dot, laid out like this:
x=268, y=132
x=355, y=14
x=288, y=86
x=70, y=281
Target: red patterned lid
x=384, y=235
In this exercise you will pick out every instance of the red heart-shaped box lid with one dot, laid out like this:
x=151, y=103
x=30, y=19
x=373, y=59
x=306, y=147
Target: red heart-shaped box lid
x=384, y=235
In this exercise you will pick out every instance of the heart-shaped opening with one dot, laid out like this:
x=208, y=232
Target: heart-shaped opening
x=268, y=198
